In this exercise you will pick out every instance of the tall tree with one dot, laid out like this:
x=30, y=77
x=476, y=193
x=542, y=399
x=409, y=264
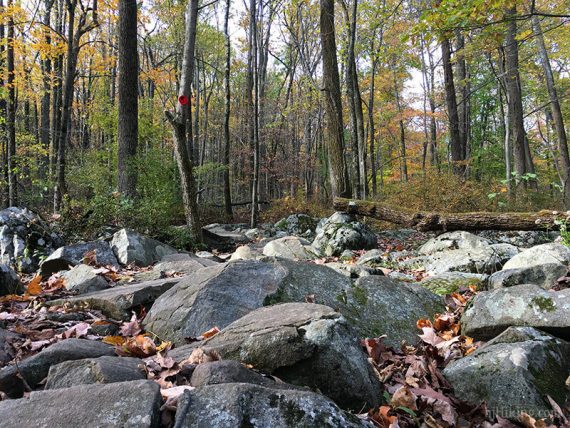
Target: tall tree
x=338, y=171
x=128, y=77
x=182, y=124
x=11, y=113
x=557, y=117
x=227, y=113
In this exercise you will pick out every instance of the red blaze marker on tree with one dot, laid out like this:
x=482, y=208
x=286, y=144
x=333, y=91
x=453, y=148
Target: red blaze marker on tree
x=183, y=99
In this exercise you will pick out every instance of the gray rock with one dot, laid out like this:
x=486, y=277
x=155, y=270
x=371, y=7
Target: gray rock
x=377, y=305
x=237, y=405
x=303, y=344
x=513, y=373
x=245, y=252
x=540, y=255
x=453, y=241
x=119, y=301
x=71, y=255
x=298, y=225
x=184, y=267
x=219, y=295
x=126, y=404
x=132, y=247
x=224, y=236
x=342, y=232
x=35, y=368
x=450, y=282
x=25, y=238
x=83, y=279
x=353, y=270
x=95, y=370
x=544, y=276
x=7, y=353
x=290, y=247
x=228, y=371
x=494, y=311
x=399, y=276
x=9, y=281
x=372, y=258
x=519, y=238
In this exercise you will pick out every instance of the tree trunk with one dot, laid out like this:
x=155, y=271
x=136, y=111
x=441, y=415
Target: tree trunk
x=371, y=129
x=564, y=159
x=46, y=96
x=226, y=157
x=254, y=70
x=128, y=67
x=11, y=114
x=455, y=142
x=435, y=221
x=182, y=122
x=340, y=185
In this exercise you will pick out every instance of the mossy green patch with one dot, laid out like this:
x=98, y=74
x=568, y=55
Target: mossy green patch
x=545, y=304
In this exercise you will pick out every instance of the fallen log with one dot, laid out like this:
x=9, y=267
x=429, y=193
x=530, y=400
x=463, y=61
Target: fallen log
x=439, y=221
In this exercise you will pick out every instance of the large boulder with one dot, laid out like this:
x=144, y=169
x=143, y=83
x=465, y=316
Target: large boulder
x=453, y=241
x=225, y=236
x=514, y=373
x=95, y=370
x=304, y=344
x=132, y=247
x=219, y=295
x=126, y=404
x=290, y=247
x=245, y=252
x=71, y=255
x=228, y=371
x=492, y=312
x=298, y=225
x=540, y=255
x=377, y=305
x=9, y=281
x=236, y=405
x=118, y=302
x=450, y=282
x=35, y=368
x=544, y=276
x=480, y=260
x=25, y=239
x=342, y=232
x=83, y=279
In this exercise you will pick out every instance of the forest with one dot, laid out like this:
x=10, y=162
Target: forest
x=166, y=112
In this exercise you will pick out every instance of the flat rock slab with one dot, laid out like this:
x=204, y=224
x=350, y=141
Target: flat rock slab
x=544, y=276
x=450, y=282
x=117, y=302
x=514, y=373
x=95, y=370
x=127, y=404
x=290, y=247
x=229, y=371
x=539, y=255
x=237, y=405
x=71, y=255
x=492, y=312
x=35, y=368
x=219, y=295
x=83, y=279
x=304, y=344
x=185, y=266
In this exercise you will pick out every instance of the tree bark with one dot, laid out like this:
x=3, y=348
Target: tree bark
x=564, y=159
x=11, y=114
x=436, y=221
x=226, y=157
x=340, y=185
x=128, y=77
x=182, y=125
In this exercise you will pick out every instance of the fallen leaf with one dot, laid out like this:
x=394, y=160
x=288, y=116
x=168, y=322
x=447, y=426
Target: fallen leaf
x=212, y=332
x=404, y=397
x=35, y=287
x=175, y=391
x=114, y=340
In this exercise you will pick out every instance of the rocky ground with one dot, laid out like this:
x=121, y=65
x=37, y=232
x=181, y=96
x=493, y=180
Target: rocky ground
x=306, y=322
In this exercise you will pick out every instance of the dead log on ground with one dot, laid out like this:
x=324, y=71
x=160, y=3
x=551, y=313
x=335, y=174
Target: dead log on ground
x=434, y=221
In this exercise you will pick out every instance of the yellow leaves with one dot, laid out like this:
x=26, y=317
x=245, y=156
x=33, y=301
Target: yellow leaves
x=114, y=340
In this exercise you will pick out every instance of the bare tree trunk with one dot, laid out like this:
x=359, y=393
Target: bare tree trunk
x=371, y=129
x=226, y=157
x=404, y=161
x=11, y=114
x=340, y=184
x=182, y=124
x=255, y=118
x=127, y=132
x=514, y=96
x=4, y=116
x=46, y=96
x=463, y=108
x=452, y=112
x=564, y=159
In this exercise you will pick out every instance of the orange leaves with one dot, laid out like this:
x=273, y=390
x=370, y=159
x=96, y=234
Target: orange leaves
x=34, y=288
x=141, y=346
x=383, y=419
x=212, y=332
